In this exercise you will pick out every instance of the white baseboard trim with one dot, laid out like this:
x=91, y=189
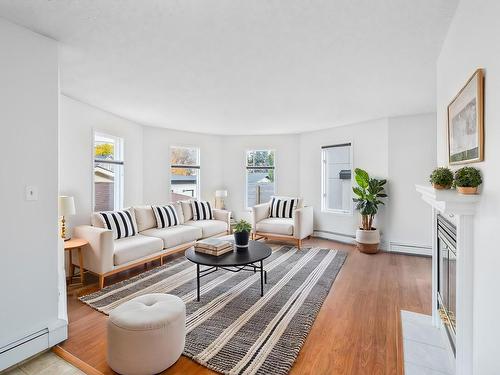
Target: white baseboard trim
x=392, y=246
x=26, y=347
x=413, y=249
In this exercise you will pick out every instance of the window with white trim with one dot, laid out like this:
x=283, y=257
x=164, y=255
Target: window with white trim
x=108, y=172
x=260, y=172
x=184, y=173
x=336, y=194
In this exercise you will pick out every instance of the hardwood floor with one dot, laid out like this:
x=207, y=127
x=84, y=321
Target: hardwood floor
x=357, y=330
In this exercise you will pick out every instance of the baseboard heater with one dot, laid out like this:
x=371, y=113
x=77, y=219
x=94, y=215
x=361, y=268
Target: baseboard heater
x=412, y=249
x=24, y=348
x=329, y=235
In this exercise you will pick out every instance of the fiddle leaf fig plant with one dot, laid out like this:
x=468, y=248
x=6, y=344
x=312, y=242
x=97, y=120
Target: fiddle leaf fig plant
x=368, y=194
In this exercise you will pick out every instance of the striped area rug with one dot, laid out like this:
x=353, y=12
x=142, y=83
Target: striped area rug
x=233, y=330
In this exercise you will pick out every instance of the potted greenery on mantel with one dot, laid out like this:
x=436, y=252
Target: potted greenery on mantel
x=467, y=179
x=368, y=194
x=441, y=178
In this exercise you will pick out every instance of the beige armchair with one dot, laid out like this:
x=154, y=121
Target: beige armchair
x=295, y=229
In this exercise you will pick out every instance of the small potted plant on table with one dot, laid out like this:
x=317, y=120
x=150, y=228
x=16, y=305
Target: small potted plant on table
x=241, y=233
x=467, y=179
x=441, y=178
x=368, y=192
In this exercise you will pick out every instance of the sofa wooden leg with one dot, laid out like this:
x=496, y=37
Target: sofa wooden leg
x=101, y=281
x=299, y=244
x=161, y=261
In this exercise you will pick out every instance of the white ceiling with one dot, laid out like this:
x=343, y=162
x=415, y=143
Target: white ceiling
x=245, y=67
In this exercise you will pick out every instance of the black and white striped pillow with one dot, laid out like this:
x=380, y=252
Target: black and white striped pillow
x=120, y=222
x=283, y=208
x=201, y=210
x=166, y=216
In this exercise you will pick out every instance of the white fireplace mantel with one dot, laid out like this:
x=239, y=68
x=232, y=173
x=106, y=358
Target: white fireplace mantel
x=460, y=209
x=449, y=201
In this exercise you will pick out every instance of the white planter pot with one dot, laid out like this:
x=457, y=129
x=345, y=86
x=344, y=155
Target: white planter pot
x=368, y=240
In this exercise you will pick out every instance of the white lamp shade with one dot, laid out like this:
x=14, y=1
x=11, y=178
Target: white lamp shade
x=221, y=193
x=66, y=206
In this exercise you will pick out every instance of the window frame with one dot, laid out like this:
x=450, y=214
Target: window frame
x=324, y=179
x=245, y=204
x=197, y=167
x=119, y=144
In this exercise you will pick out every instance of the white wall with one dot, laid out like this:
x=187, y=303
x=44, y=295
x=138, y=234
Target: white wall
x=472, y=42
x=29, y=94
x=412, y=157
x=370, y=152
x=157, y=142
x=379, y=147
x=287, y=155
x=78, y=122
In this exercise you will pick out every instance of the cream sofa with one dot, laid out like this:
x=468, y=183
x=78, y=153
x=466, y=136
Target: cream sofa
x=105, y=256
x=294, y=229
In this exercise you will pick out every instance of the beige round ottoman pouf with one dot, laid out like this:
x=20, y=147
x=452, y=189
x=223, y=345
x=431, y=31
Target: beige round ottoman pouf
x=146, y=334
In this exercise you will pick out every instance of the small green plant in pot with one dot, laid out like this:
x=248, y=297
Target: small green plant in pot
x=368, y=194
x=242, y=231
x=467, y=179
x=441, y=178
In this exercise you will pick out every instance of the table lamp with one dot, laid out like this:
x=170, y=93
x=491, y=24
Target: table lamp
x=219, y=197
x=66, y=208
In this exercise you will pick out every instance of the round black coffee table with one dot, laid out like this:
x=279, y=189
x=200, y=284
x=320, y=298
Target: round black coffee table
x=240, y=259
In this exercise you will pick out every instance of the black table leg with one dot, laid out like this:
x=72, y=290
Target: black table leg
x=261, y=279
x=265, y=277
x=198, y=282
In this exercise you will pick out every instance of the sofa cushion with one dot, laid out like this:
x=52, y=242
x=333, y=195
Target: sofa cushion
x=122, y=223
x=96, y=220
x=275, y=225
x=144, y=217
x=166, y=216
x=133, y=248
x=209, y=227
x=187, y=211
x=202, y=210
x=174, y=236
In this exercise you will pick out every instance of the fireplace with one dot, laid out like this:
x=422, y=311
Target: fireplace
x=447, y=276
x=453, y=272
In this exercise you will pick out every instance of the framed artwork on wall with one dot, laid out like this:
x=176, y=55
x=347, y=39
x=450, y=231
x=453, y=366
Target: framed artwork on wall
x=466, y=122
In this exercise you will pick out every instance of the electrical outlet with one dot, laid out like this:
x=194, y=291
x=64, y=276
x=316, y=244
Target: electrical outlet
x=31, y=193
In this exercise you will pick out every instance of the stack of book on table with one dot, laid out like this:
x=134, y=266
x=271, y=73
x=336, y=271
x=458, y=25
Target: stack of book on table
x=213, y=246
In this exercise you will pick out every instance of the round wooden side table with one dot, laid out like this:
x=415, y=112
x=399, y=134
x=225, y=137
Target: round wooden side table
x=75, y=244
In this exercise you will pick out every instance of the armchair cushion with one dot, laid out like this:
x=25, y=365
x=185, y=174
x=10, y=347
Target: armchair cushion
x=132, y=248
x=259, y=212
x=209, y=228
x=283, y=207
x=283, y=226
